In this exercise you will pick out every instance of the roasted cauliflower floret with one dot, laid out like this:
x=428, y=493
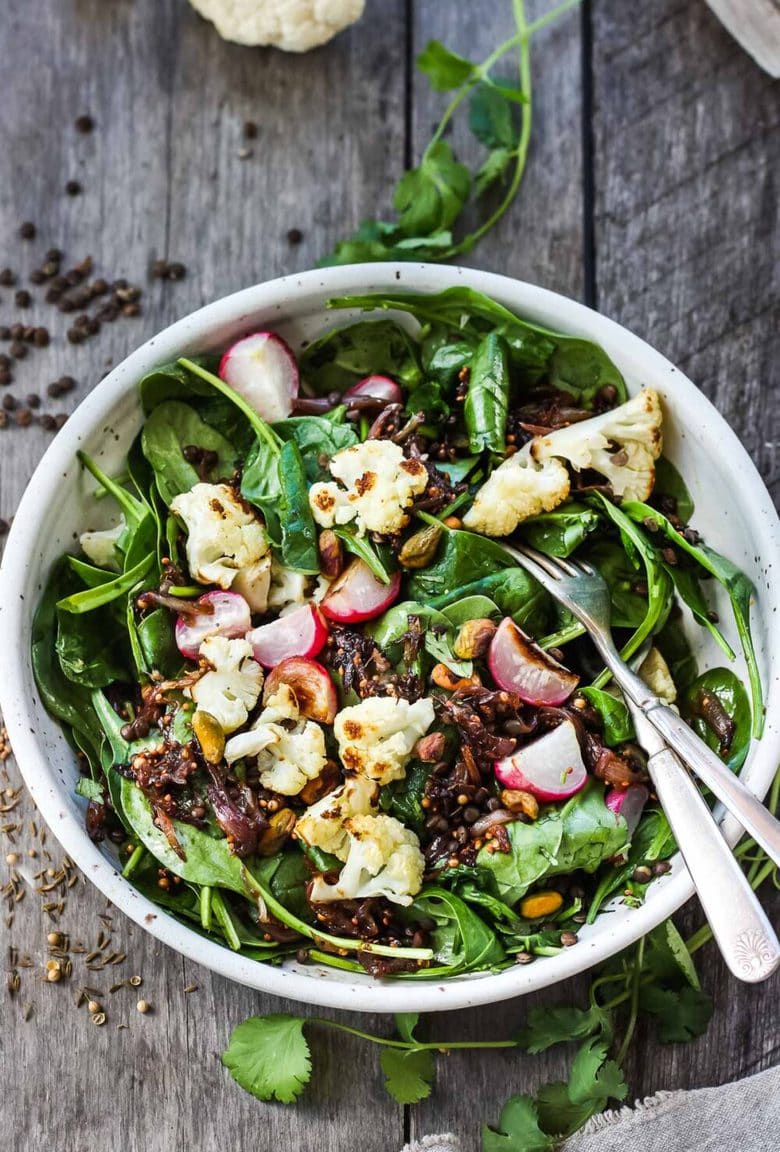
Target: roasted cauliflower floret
x=323, y=825
x=223, y=536
x=377, y=736
x=289, y=750
x=377, y=485
x=292, y=25
x=383, y=859
x=655, y=672
x=622, y=445
x=229, y=690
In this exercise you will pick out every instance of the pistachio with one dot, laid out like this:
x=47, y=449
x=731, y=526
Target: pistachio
x=210, y=736
x=280, y=825
x=473, y=638
x=518, y=801
x=328, y=779
x=331, y=554
x=431, y=747
x=419, y=550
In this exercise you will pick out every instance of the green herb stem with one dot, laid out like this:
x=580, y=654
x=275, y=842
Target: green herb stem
x=133, y=861
x=432, y=1046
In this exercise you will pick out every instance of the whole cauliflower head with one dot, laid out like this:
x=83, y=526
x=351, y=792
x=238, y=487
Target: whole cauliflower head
x=292, y=25
x=622, y=445
x=230, y=689
x=223, y=536
x=100, y=546
x=376, y=737
x=383, y=859
x=289, y=751
x=323, y=825
x=378, y=483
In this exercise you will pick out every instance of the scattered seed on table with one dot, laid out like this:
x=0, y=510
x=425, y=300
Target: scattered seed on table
x=28, y=230
x=93, y=1007
x=37, y=276
x=22, y=298
x=23, y=417
x=176, y=270
x=73, y=188
x=55, y=939
x=3, y=419
x=84, y=124
x=9, y=402
x=7, y=277
x=41, y=337
x=6, y=378
x=250, y=130
x=191, y=988
x=135, y=981
x=12, y=858
x=5, y=332
x=294, y=236
x=47, y=422
x=245, y=153
x=61, y=419
x=99, y=1018
x=18, y=350
x=143, y=1006
x=54, y=254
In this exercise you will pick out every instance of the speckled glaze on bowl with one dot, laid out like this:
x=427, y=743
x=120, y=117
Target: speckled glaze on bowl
x=733, y=510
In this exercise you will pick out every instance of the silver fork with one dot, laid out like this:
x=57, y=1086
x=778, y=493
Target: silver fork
x=746, y=938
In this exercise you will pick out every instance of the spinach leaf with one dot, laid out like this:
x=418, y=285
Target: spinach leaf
x=169, y=429
x=403, y=798
x=487, y=399
x=261, y=483
x=737, y=585
x=345, y=355
x=88, y=574
x=689, y=590
x=378, y=558
x=577, y=366
x=628, y=604
x=158, y=644
x=317, y=439
x=286, y=875
x=174, y=381
x=732, y=698
x=67, y=700
x=92, y=648
x=462, y=941
x=652, y=840
x=298, y=546
x=443, y=359
x=669, y=482
x=615, y=717
x=560, y=532
x=579, y=835
x=471, y=608
x=88, y=600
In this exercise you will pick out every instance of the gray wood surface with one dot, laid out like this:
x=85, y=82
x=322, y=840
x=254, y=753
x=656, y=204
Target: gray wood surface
x=649, y=192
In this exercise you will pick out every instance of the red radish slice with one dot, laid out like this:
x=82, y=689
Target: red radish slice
x=628, y=803
x=313, y=688
x=263, y=370
x=229, y=616
x=378, y=388
x=518, y=665
x=301, y=633
x=551, y=768
x=357, y=595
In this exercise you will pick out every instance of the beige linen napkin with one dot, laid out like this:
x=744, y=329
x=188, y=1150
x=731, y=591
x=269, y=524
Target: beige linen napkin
x=740, y=1117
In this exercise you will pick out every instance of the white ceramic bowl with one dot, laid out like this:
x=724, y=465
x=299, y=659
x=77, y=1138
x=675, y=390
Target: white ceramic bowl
x=733, y=510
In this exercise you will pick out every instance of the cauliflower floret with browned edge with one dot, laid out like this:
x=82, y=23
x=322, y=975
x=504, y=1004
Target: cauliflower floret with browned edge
x=223, y=535
x=289, y=751
x=323, y=825
x=655, y=672
x=376, y=737
x=376, y=485
x=383, y=859
x=229, y=690
x=622, y=445
x=292, y=25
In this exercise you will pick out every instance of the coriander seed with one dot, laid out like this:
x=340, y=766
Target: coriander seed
x=143, y=1006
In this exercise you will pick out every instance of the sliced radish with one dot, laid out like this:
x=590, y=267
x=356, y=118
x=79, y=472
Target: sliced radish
x=518, y=665
x=551, y=768
x=301, y=633
x=313, y=688
x=222, y=614
x=357, y=595
x=378, y=388
x=628, y=803
x=263, y=370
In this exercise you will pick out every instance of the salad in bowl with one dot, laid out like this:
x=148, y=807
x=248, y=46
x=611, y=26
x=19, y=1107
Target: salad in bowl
x=318, y=709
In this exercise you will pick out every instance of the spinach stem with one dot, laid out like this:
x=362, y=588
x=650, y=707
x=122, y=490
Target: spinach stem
x=262, y=430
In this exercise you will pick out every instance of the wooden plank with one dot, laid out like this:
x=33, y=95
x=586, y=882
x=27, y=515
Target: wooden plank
x=162, y=177
x=541, y=239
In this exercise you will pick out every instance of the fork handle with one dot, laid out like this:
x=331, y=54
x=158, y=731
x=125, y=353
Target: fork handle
x=757, y=820
x=742, y=931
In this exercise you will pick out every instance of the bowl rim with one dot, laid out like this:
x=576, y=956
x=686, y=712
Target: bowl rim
x=309, y=986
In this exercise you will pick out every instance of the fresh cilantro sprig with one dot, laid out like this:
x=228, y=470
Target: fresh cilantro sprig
x=270, y=1057
x=430, y=199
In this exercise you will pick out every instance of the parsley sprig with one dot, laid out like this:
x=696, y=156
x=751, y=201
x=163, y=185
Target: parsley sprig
x=270, y=1057
x=430, y=199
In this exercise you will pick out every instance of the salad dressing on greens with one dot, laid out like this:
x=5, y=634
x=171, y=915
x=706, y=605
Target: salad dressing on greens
x=317, y=709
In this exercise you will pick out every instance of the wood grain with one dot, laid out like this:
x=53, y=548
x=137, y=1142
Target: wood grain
x=662, y=206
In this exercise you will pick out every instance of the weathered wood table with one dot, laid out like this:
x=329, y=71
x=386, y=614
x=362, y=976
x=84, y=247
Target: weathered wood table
x=650, y=193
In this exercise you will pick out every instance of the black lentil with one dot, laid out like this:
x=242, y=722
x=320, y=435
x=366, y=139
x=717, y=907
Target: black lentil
x=84, y=124
x=7, y=277
x=23, y=299
x=18, y=350
x=73, y=188
x=294, y=236
x=28, y=230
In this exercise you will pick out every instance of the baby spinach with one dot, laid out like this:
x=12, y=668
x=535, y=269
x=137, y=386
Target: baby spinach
x=158, y=644
x=739, y=588
x=471, y=608
x=652, y=841
x=378, y=558
x=90, y=599
x=574, y=365
x=92, y=648
x=318, y=439
x=732, y=698
x=370, y=347
x=403, y=798
x=462, y=941
x=560, y=532
x=170, y=428
x=298, y=547
x=615, y=717
x=487, y=399
x=175, y=381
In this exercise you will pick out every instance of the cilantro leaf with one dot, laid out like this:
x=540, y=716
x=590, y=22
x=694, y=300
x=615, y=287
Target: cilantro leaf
x=429, y=198
x=490, y=117
x=491, y=170
x=593, y=1077
x=558, y=1113
x=667, y=957
x=405, y=1023
x=518, y=1129
x=410, y=1074
x=556, y=1025
x=269, y=1057
x=681, y=1016
x=444, y=69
